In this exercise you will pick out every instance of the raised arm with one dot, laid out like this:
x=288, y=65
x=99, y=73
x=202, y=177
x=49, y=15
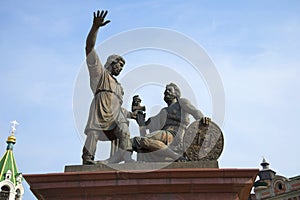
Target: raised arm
x=99, y=20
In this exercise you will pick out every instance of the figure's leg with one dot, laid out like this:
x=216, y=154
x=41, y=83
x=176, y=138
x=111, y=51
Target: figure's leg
x=156, y=141
x=125, y=147
x=122, y=133
x=159, y=141
x=89, y=148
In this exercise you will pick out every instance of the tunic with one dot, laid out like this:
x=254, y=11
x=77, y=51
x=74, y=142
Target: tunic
x=105, y=110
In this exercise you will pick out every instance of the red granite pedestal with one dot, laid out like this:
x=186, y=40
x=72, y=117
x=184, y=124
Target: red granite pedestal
x=184, y=183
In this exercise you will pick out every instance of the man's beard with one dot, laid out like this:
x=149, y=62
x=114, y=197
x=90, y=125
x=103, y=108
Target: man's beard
x=169, y=98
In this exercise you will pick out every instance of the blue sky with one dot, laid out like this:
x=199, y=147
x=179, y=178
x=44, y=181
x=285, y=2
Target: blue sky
x=253, y=44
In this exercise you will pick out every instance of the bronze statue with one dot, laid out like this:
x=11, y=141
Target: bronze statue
x=169, y=135
x=167, y=128
x=107, y=119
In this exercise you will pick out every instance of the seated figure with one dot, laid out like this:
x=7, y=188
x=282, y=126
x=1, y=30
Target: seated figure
x=167, y=127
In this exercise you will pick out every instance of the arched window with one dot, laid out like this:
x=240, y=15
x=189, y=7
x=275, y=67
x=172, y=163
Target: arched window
x=8, y=174
x=279, y=185
x=4, y=193
x=18, y=195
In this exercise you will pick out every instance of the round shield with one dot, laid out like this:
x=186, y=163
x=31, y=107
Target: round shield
x=203, y=142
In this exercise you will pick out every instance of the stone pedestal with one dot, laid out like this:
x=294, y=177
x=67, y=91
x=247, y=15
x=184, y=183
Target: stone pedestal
x=142, y=166
x=176, y=183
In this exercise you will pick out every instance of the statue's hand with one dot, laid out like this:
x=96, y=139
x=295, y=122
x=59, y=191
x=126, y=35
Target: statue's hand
x=134, y=114
x=99, y=18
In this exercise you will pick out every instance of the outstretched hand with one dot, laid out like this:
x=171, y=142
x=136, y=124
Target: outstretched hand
x=99, y=18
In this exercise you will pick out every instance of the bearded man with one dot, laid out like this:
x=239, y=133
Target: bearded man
x=169, y=125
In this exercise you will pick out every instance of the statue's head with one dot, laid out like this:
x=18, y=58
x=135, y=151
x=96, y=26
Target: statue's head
x=172, y=92
x=114, y=64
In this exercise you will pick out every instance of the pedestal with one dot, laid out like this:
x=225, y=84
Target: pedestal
x=178, y=183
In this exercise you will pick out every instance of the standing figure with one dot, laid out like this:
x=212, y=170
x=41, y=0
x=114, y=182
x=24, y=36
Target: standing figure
x=167, y=128
x=107, y=119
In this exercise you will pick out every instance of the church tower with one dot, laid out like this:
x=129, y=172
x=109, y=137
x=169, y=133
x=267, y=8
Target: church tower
x=11, y=187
